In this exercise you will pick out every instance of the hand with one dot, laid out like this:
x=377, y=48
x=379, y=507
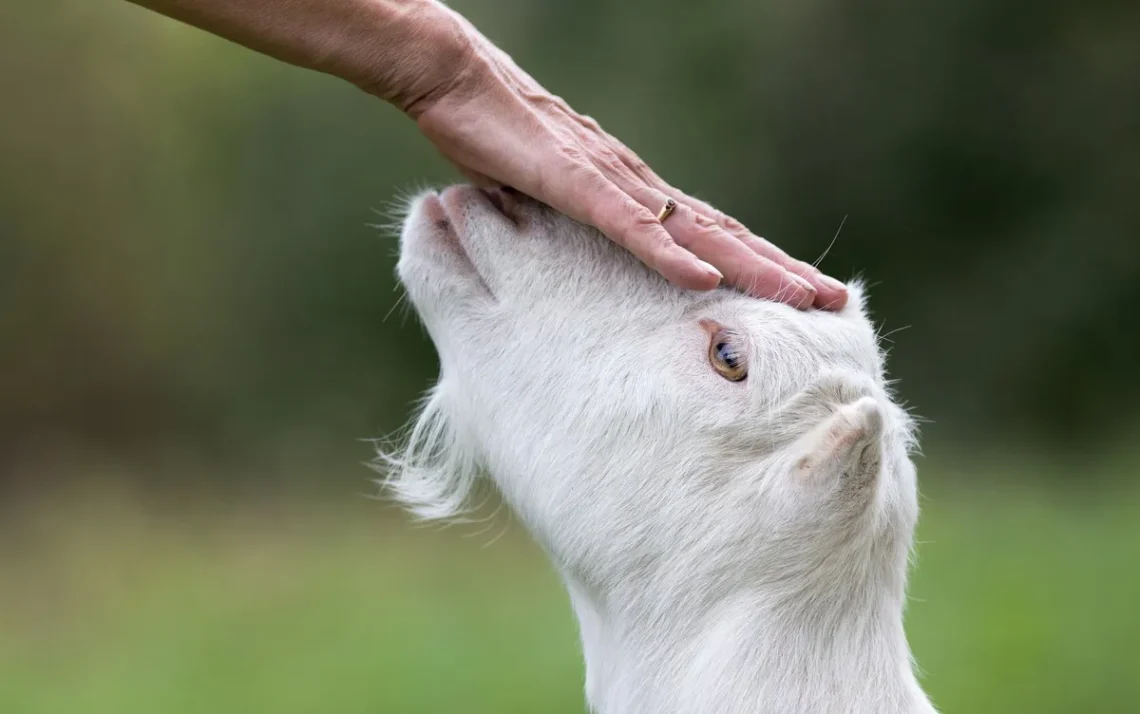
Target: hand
x=499, y=126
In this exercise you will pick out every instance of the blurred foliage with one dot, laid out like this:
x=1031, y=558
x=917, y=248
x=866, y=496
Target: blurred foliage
x=1023, y=601
x=187, y=265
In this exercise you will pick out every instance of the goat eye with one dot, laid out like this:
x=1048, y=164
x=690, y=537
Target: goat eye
x=727, y=356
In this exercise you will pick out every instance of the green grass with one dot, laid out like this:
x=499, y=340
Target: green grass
x=1023, y=601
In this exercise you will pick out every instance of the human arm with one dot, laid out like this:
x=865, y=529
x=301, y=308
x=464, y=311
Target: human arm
x=498, y=125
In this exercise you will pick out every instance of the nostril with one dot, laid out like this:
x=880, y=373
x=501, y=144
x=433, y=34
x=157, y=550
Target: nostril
x=498, y=200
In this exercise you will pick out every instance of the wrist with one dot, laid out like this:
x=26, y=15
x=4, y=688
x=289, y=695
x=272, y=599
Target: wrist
x=413, y=53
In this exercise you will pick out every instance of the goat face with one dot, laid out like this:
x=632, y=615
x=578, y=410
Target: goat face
x=647, y=436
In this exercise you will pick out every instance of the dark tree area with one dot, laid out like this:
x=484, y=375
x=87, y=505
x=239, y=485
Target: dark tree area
x=187, y=264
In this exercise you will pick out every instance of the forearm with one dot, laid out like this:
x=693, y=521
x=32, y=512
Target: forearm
x=404, y=51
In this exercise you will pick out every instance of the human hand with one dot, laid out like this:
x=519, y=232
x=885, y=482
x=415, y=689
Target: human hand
x=499, y=126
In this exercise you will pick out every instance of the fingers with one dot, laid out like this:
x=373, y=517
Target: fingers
x=748, y=262
x=830, y=293
x=636, y=228
x=742, y=267
x=541, y=147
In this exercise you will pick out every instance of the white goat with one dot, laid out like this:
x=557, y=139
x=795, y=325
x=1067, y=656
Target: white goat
x=724, y=483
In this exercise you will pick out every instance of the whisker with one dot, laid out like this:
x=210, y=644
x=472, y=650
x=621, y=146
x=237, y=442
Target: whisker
x=887, y=336
x=832, y=243
x=399, y=301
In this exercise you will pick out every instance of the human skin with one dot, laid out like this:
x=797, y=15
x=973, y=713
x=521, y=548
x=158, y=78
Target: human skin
x=500, y=127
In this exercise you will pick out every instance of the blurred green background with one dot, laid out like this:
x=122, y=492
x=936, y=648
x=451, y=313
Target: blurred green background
x=198, y=333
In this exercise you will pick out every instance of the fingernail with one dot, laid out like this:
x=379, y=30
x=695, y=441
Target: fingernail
x=710, y=269
x=802, y=283
x=832, y=283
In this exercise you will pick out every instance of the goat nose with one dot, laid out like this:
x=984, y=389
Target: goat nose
x=500, y=198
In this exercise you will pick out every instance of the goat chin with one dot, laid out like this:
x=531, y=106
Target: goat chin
x=724, y=483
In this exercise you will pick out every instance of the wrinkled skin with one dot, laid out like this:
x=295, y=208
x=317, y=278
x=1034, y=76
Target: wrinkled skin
x=500, y=127
x=497, y=124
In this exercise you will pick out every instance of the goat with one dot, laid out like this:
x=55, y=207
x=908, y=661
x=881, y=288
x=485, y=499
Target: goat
x=725, y=484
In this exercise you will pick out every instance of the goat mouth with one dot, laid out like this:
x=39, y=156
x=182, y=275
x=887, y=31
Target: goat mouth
x=452, y=210
x=447, y=218
x=459, y=202
x=443, y=225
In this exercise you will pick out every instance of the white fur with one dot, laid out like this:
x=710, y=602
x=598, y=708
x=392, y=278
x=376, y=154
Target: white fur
x=728, y=547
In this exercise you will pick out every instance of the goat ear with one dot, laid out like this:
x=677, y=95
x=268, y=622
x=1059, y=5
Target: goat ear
x=845, y=451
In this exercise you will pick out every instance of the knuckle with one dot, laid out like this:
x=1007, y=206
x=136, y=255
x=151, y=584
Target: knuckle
x=722, y=219
x=700, y=231
x=705, y=223
x=611, y=160
x=590, y=123
x=645, y=224
x=547, y=100
x=729, y=222
x=638, y=166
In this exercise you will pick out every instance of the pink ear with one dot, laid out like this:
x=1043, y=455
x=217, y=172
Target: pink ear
x=845, y=450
